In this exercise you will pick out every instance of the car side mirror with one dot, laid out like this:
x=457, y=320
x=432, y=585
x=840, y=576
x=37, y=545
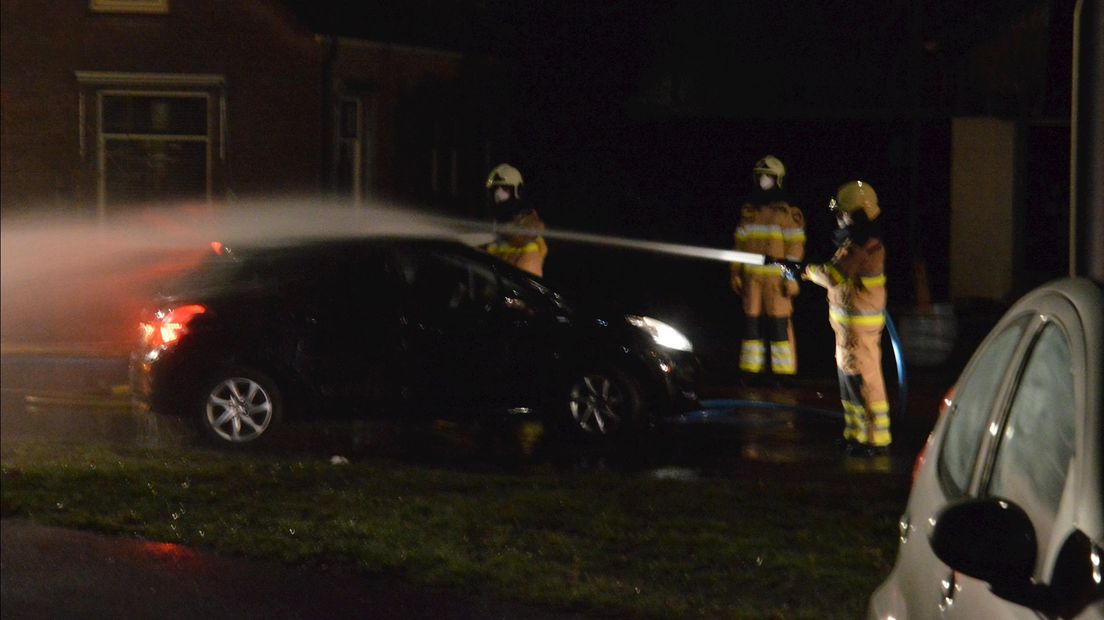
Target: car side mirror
x=993, y=540
x=1077, y=579
x=990, y=539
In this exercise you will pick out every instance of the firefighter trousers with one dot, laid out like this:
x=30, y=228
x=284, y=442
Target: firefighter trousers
x=764, y=294
x=862, y=386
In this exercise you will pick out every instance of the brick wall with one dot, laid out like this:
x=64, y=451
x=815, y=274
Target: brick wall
x=272, y=71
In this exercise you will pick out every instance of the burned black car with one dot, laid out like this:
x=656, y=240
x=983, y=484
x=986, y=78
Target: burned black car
x=401, y=327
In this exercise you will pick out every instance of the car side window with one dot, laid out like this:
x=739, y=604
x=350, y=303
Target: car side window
x=972, y=406
x=1037, y=443
x=341, y=284
x=446, y=284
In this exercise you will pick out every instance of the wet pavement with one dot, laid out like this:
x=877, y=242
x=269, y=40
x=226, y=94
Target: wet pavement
x=770, y=420
x=51, y=572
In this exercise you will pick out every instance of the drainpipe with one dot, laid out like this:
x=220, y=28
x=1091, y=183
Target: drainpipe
x=1087, y=143
x=329, y=128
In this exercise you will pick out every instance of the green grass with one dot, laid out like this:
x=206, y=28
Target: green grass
x=776, y=542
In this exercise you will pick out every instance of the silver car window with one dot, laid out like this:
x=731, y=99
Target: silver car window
x=1037, y=442
x=972, y=406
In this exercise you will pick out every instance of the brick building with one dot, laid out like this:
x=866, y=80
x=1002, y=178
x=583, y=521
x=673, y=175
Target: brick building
x=111, y=103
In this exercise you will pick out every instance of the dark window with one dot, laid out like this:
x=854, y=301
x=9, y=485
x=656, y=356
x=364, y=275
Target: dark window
x=133, y=114
x=154, y=147
x=146, y=171
x=448, y=284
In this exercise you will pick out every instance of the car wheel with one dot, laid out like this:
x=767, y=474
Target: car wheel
x=604, y=404
x=240, y=408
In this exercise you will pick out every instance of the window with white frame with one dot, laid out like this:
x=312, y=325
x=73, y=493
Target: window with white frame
x=151, y=138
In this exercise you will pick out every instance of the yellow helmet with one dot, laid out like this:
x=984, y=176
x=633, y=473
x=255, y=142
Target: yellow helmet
x=855, y=195
x=770, y=165
x=504, y=175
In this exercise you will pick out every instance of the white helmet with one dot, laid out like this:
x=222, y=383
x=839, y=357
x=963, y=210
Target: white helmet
x=770, y=165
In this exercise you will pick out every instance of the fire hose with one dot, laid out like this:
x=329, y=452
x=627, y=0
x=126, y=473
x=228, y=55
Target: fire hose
x=790, y=269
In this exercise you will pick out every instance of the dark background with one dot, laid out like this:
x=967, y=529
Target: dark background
x=644, y=119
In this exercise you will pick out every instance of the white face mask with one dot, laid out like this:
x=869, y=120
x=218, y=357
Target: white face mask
x=501, y=194
x=766, y=182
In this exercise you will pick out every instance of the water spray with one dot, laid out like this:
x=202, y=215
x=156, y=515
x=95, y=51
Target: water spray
x=675, y=249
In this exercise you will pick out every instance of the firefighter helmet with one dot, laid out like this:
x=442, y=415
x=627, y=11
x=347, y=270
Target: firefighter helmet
x=770, y=165
x=504, y=175
x=855, y=195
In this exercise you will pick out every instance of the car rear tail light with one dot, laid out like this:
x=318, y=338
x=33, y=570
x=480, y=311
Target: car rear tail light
x=167, y=326
x=944, y=405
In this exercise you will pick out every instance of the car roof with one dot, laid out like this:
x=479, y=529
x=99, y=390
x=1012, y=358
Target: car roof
x=1086, y=296
x=303, y=247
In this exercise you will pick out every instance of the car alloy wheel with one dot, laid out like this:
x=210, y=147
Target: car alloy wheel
x=599, y=405
x=240, y=409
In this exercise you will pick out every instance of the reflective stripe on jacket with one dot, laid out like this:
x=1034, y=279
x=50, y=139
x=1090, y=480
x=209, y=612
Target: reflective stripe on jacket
x=775, y=230
x=503, y=250
x=855, y=279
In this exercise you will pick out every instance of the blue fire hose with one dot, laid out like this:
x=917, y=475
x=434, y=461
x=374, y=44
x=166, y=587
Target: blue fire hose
x=902, y=380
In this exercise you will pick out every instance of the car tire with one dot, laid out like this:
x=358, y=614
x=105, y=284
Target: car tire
x=603, y=404
x=241, y=407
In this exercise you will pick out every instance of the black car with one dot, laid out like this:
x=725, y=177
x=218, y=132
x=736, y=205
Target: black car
x=397, y=326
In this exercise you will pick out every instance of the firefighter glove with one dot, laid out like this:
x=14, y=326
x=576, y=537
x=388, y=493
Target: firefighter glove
x=790, y=269
x=790, y=287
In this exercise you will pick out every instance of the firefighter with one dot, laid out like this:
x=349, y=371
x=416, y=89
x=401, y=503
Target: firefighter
x=855, y=280
x=525, y=251
x=768, y=225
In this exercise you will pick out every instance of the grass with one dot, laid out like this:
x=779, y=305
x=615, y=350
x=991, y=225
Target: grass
x=776, y=542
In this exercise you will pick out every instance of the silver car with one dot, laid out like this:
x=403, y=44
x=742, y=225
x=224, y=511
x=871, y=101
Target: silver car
x=1005, y=517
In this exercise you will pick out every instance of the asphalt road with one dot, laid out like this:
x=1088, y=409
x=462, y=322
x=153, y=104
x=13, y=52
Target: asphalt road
x=48, y=572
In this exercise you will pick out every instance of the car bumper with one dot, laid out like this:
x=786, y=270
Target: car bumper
x=150, y=389
x=675, y=373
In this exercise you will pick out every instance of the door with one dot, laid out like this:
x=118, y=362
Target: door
x=453, y=341
x=536, y=335
x=1030, y=453
x=349, y=331
x=928, y=586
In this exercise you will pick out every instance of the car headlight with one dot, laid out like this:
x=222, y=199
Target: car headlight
x=663, y=334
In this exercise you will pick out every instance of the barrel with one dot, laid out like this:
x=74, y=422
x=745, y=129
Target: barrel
x=928, y=337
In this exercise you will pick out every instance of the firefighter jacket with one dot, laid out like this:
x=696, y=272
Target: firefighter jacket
x=524, y=251
x=855, y=279
x=769, y=226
